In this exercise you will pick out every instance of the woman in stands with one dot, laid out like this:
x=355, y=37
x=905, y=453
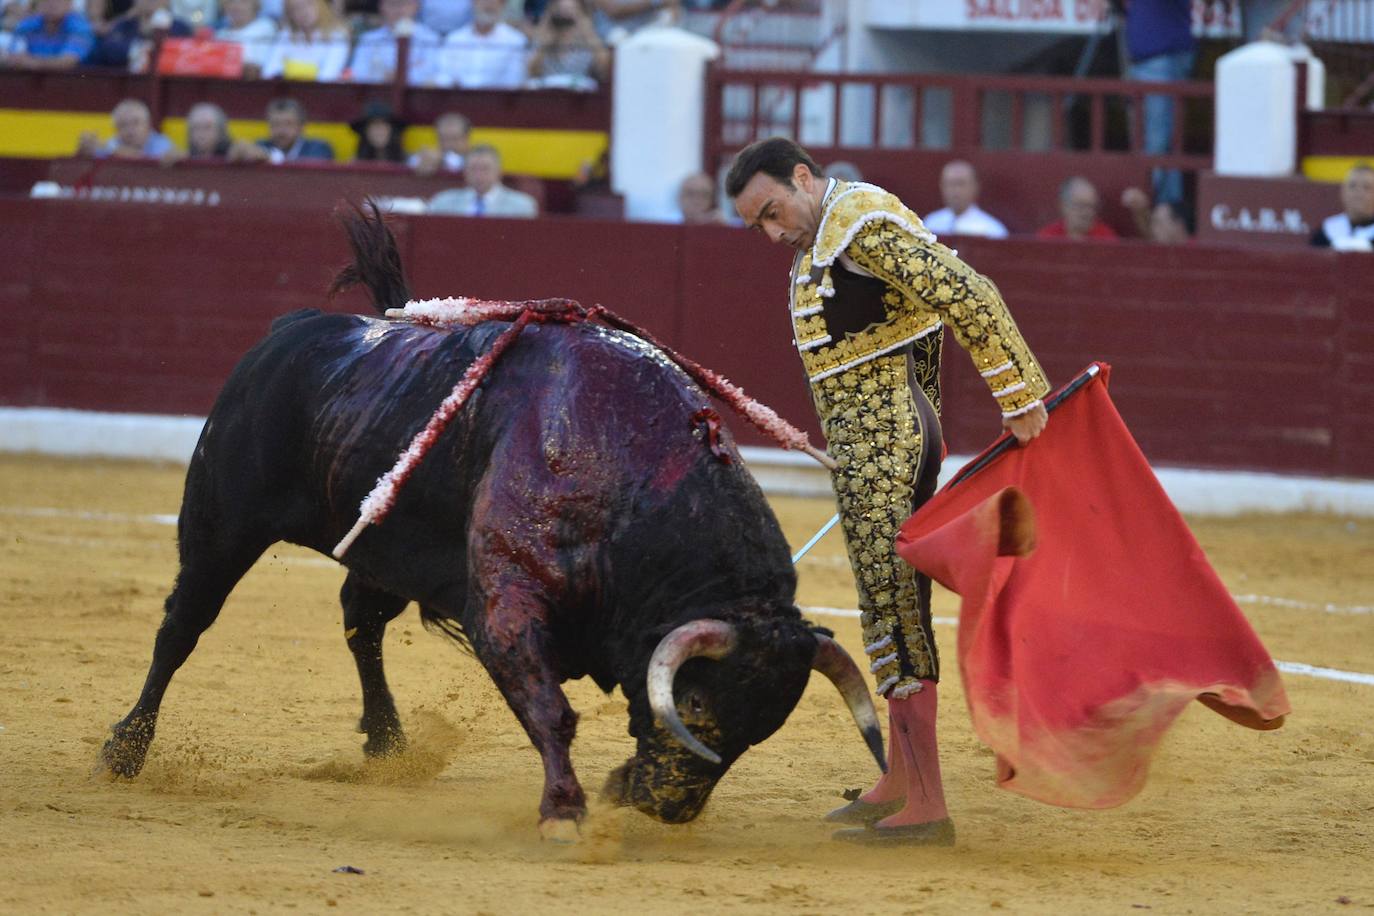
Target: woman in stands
x=379, y=134
x=312, y=45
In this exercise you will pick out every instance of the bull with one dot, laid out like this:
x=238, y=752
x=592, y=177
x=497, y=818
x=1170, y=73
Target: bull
x=570, y=522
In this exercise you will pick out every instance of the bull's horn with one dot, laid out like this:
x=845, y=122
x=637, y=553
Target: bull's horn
x=711, y=638
x=834, y=662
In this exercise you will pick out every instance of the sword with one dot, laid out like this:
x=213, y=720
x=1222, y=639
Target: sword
x=974, y=467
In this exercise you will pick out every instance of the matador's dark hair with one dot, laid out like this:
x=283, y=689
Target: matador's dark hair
x=776, y=157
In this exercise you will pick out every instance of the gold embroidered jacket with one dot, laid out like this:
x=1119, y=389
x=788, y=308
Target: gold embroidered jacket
x=928, y=287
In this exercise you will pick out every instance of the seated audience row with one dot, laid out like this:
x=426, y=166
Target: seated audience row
x=563, y=47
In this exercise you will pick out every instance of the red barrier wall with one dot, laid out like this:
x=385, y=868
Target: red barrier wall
x=1224, y=357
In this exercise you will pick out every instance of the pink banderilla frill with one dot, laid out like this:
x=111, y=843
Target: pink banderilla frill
x=464, y=312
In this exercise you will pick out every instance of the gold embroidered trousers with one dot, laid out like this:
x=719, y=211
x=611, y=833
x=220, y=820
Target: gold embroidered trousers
x=881, y=423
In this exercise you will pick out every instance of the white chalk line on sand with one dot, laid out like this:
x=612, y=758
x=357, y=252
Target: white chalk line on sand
x=1330, y=674
x=80, y=515
x=1334, y=674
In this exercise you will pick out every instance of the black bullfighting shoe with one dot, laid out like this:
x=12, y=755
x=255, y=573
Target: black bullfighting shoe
x=861, y=812
x=931, y=833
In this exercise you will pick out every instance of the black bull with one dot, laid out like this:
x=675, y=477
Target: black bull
x=570, y=522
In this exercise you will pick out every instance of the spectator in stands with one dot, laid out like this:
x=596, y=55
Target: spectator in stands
x=843, y=170
x=287, y=143
x=128, y=41
x=1161, y=46
x=379, y=134
x=134, y=135
x=374, y=59
x=698, y=202
x=487, y=53
x=961, y=214
x=1078, y=208
x=1353, y=228
x=12, y=12
x=568, y=54
x=484, y=195
x=243, y=24
x=207, y=135
x=616, y=20
x=54, y=38
x=452, y=130
x=1165, y=223
x=312, y=45
x=445, y=16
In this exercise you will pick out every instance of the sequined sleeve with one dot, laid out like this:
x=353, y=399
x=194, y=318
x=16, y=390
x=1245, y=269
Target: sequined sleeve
x=930, y=276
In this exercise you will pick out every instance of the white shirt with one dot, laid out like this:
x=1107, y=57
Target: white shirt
x=495, y=60
x=374, y=59
x=972, y=221
x=1345, y=236
x=499, y=200
x=327, y=54
x=256, y=37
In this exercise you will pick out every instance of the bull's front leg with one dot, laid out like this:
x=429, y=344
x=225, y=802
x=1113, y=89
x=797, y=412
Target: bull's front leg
x=514, y=644
x=367, y=611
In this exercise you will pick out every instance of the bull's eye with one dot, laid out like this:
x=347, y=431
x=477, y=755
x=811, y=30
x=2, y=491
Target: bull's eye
x=694, y=703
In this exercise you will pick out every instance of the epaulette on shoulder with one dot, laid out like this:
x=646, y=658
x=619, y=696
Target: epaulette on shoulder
x=853, y=206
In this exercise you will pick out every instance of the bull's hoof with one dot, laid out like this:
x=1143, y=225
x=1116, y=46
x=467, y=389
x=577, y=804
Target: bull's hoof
x=385, y=744
x=931, y=833
x=123, y=757
x=864, y=813
x=561, y=831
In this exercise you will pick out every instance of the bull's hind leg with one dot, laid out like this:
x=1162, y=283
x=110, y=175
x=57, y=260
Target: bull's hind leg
x=367, y=611
x=201, y=587
x=513, y=641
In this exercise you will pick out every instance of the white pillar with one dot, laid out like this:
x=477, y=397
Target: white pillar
x=658, y=117
x=1257, y=112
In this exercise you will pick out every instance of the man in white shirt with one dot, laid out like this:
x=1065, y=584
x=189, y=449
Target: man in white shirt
x=485, y=195
x=374, y=59
x=487, y=53
x=243, y=24
x=961, y=214
x=1353, y=228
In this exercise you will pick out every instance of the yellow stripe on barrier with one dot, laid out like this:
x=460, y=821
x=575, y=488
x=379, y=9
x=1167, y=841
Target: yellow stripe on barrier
x=524, y=151
x=1332, y=168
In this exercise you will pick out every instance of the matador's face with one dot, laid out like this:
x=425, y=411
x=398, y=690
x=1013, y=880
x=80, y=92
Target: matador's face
x=785, y=212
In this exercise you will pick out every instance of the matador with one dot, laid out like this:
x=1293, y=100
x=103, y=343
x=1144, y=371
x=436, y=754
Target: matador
x=871, y=292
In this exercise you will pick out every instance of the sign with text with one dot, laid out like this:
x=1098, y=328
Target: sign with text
x=1212, y=18
x=1262, y=211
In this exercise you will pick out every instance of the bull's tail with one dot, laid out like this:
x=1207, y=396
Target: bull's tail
x=376, y=259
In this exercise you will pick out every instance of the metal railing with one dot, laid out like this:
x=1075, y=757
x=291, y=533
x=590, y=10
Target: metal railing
x=927, y=111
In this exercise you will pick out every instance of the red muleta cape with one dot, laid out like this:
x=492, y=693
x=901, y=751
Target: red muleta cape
x=1090, y=615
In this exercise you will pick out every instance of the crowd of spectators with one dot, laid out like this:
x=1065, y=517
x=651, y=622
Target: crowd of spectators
x=472, y=44
x=700, y=201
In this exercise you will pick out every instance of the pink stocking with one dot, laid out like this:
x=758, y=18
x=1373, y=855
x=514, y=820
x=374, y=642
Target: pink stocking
x=891, y=786
x=914, y=770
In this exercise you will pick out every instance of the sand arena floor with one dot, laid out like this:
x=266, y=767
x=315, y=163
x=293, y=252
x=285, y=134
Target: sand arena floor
x=256, y=789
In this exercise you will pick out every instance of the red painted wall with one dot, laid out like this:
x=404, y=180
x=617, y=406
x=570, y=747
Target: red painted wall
x=1223, y=356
